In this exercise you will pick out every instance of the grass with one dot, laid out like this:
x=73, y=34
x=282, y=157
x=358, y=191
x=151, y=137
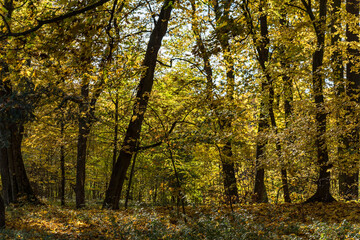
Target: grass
x=258, y=221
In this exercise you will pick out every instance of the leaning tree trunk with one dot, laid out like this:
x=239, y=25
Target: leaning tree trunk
x=132, y=135
x=349, y=180
x=322, y=193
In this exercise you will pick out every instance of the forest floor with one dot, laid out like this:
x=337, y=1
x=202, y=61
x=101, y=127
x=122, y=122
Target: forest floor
x=258, y=221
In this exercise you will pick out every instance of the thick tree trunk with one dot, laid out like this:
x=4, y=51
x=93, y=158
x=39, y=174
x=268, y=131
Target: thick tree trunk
x=81, y=162
x=7, y=183
x=260, y=194
x=132, y=171
x=132, y=135
x=14, y=178
x=288, y=99
x=349, y=179
x=228, y=169
x=322, y=193
x=262, y=47
x=338, y=75
x=84, y=130
x=2, y=212
x=13, y=175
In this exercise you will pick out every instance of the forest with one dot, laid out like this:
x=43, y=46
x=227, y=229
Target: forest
x=179, y=119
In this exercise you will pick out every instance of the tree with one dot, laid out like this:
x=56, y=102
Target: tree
x=225, y=119
x=12, y=119
x=2, y=212
x=288, y=99
x=322, y=193
x=132, y=135
x=262, y=49
x=349, y=178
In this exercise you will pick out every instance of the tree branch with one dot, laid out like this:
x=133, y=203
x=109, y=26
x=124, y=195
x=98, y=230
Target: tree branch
x=41, y=23
x=161, y=142
x=6, y=23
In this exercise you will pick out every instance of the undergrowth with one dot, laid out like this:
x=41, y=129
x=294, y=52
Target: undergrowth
x=261, y=221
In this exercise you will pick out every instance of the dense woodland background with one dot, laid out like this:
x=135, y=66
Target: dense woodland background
x=179, y=102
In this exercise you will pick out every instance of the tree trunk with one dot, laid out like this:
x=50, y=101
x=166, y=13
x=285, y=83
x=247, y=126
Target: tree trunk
x=116, y=129
x=62, y=164
x=322, y=193
x=127, y=197
x=288, y=110
x=228, y=166
x=260, y=194
x=7, y=190
x=349, y=180
x=288, y=99
x=228, y=169
x=338, y=76
x=223, y=36
x=14, y=178
x=13, y=175
x=179, y=191
x=132, y=135
x=84, y=131
x=2, y=212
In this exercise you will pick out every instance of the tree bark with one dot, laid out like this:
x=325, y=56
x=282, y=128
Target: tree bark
x=288, y=99
x=13, y=175
x=116, y=118
x=2, y=213
x=86, y=119
x=260, y=194
x=349, y=180
x=222, y=16
x=132, y=135
x=62, y=164
x=84, y=131
x=127, y=197
x=338, y=76
x=322, y=193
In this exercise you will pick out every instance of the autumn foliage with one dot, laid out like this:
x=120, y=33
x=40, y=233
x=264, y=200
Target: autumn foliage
x=182, y=119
